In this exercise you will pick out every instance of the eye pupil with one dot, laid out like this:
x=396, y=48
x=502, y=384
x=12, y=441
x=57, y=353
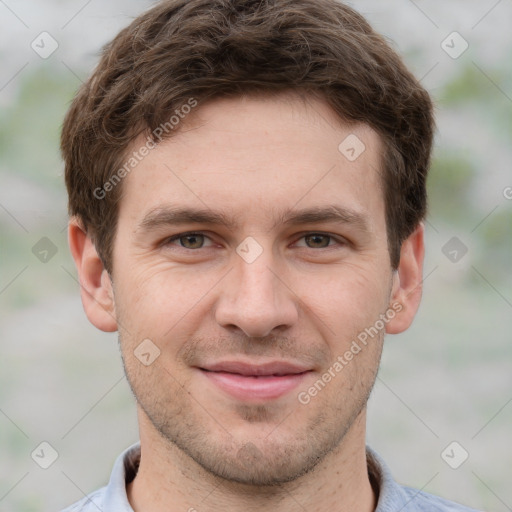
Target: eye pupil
x=317, y=240
x=192, y=241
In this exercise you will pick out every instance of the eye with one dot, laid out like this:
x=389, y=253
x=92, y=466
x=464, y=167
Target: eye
x=319, y=241
x=194, y=241
x=189, y=240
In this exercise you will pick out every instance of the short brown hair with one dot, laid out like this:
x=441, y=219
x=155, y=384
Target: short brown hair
x=205, y=49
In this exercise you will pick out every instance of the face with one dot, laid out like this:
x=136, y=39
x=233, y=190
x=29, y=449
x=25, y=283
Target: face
x=251, y=255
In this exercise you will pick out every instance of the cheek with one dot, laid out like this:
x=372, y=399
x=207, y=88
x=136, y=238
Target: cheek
x=349, y=297
x=159, y=301
x=156, y=301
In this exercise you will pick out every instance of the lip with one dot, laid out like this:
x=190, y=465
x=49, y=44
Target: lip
x=249, y=381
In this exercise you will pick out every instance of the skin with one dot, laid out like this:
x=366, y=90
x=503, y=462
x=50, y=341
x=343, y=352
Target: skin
x=304, y=299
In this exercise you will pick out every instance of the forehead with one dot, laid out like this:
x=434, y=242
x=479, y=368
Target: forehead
x=258, y=157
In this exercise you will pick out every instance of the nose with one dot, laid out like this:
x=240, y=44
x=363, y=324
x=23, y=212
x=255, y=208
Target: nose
x=256, y=299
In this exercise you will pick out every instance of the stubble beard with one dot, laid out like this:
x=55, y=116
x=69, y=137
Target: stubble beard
x=184, y=422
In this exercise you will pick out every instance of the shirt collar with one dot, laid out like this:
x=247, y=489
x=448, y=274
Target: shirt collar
x=124, y=471
x=390, y=494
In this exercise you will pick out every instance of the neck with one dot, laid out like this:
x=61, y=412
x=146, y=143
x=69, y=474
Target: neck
x=167, y=476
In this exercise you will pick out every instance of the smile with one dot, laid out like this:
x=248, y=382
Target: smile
x=255, y=382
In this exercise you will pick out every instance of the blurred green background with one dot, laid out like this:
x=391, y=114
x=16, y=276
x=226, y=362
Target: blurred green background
x=447, y=379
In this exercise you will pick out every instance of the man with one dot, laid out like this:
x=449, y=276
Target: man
x=246, y=187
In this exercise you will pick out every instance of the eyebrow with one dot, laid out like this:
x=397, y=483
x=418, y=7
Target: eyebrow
x=163, y=216
x=328, y=213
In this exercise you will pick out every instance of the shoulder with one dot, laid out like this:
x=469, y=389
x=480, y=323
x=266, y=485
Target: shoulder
x=91, y=503
x=112, y=497
x=395, y=497
x=419, y=501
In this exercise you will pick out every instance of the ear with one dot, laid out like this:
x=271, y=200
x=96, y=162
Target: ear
x=407, y=282
x=95, y=284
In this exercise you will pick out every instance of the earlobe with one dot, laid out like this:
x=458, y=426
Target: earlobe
x=95, y=284
x=407, y=282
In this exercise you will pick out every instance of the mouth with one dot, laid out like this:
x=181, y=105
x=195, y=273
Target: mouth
x=246, y=381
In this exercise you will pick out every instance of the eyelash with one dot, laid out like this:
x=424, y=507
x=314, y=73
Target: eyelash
x=339, y=242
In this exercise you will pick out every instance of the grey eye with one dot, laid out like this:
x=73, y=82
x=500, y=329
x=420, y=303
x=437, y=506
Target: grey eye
x=317, y=241
x=193, y=241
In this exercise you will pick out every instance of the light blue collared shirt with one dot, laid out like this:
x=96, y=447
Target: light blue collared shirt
x=392, y=496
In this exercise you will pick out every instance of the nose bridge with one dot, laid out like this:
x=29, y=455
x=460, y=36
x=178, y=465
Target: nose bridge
x=257, y=283
x=255, y=300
